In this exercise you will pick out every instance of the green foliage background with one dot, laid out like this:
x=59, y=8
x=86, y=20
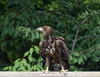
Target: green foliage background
x=19, y=39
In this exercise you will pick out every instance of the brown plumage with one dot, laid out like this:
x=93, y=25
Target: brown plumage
x=53, y=48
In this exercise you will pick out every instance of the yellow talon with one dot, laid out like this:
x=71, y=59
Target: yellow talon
x=63, y=70
x=45, y=71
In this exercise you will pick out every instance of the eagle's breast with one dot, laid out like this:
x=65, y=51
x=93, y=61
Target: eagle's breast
x=51, y=48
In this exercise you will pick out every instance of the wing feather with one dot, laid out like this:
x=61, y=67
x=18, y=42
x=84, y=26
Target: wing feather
x=63, y=51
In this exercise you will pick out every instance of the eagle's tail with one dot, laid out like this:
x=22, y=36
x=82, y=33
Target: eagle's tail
x=68, y=66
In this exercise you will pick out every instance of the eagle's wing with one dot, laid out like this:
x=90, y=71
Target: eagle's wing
x=63, y=51
x=59, y=38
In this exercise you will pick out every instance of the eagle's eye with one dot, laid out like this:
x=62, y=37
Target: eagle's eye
x=40, y=29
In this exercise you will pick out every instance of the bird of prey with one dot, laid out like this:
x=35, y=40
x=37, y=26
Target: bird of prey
x=53, y=49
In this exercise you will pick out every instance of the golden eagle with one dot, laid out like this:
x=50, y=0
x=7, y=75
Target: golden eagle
x=53, y=48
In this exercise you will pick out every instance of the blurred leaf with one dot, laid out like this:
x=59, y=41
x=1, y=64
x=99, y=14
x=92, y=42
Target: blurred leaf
x=26, y=54
x=10, y=68
x=75, y=27
x=6, y=21
x=31, y=51
x=80, y=60
x=16, y=61
x=22, y=67
x=34, y=60
x=74, y=60
x=36, y=49
x=5, y=68
x=76, y=54
x=70, y=57
x=30, y=58
x=84, y=57
x=34, y=67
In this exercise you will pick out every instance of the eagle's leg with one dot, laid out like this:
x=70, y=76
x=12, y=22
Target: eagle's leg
x=48, y=64
x=62, y=65
x=63, y=70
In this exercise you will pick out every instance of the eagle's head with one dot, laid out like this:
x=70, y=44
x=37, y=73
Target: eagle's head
x=46, y=30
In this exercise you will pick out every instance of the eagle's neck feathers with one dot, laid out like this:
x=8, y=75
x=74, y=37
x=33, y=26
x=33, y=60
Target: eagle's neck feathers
x=48, y=37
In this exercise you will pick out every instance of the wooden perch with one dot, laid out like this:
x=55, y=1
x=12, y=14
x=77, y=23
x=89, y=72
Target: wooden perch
x=50, y=74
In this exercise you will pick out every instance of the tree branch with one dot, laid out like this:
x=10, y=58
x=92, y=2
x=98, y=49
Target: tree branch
x=75, y=40
x=92, y=36
x=88, y=18
x=57, y=31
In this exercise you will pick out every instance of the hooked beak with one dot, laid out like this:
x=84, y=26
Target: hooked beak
x=40, y=29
